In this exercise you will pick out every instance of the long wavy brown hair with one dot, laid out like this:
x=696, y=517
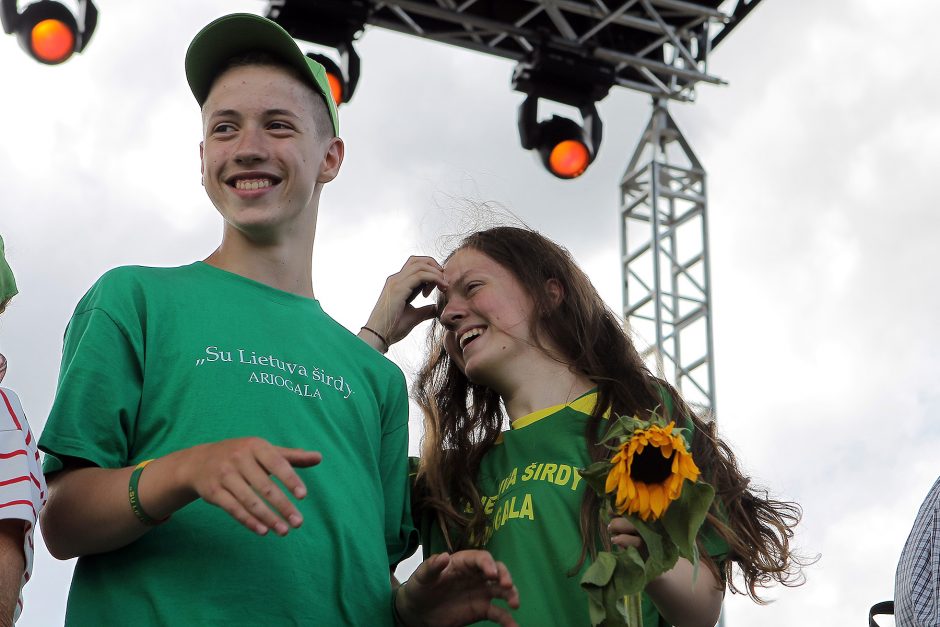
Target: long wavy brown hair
x=463, y=420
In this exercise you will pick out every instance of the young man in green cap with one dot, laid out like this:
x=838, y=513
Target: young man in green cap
x=22, y=487
x=186, y=392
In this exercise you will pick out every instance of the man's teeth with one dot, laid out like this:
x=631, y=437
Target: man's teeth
x=252, y=183
x=469, y=335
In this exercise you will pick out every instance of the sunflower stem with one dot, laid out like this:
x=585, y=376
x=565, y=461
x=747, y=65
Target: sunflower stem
x=633, y=609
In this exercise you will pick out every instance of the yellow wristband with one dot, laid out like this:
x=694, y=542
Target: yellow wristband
x=133, y=495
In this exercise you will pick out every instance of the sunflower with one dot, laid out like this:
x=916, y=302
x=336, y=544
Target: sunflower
x=648, y=471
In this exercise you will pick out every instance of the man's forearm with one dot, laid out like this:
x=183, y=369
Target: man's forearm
x=12, y=563
x=88, y=510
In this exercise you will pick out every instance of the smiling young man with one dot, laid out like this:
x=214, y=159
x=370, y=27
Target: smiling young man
x=191, y=399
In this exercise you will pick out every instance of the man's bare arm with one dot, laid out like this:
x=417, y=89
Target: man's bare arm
x=88, y=510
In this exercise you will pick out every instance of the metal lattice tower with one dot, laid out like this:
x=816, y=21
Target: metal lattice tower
x=664, y=250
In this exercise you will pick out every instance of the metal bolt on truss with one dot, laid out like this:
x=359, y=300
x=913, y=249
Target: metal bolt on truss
x=664, y=251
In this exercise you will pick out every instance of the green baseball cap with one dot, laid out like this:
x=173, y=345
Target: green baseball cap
x=7, y=282
x=238, y=33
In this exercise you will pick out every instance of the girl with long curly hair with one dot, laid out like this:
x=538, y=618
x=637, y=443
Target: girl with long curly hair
x=523, y=340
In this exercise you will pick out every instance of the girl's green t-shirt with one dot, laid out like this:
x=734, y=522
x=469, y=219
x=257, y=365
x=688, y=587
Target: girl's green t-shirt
x=532, y=495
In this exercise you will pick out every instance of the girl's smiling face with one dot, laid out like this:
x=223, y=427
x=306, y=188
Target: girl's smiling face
x=486, y=313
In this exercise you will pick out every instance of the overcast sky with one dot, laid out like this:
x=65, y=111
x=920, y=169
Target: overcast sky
x=821, y=153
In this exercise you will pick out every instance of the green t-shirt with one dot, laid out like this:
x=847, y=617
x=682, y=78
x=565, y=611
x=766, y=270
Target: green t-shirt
x=157, y=360
x=532, y=495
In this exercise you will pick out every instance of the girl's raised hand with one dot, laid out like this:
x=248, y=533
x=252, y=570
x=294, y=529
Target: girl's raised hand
x=393, y=316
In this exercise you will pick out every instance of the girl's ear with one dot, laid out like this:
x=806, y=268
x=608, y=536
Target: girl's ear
x=555, y=291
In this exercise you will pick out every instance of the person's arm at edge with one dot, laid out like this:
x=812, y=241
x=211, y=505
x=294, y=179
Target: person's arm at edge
x=88, y=510
x=12, y=564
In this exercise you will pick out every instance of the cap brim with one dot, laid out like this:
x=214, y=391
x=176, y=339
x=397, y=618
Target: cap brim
x=239, y=33
x=7, y=281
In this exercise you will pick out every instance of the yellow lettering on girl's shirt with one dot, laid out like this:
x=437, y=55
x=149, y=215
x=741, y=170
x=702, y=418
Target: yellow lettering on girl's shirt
x=527, y=510
x=549, y=473
x=529, y=472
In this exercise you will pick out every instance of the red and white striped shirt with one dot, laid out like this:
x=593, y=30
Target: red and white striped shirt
x=22, y=486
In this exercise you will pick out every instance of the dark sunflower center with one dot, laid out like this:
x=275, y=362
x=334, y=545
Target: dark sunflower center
x=650, y=466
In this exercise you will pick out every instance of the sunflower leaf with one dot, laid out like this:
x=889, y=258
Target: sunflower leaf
x=596, y=609
x=617, y=432
x=595, y=582
x=662, y=551
x=610, y=578
x=599, y=572
x=685, y=516
x=596, y=475
x=629, y=579
x=622, y=428
x=630, y=575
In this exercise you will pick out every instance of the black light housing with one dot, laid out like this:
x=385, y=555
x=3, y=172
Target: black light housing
x=331, y=23
x=565, y=147
x=344, y=76
x=47, y=30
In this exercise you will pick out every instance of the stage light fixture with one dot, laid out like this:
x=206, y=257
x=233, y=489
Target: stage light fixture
x=342, y=77
x=565, y=147
x=47, y=30
x=330, y=23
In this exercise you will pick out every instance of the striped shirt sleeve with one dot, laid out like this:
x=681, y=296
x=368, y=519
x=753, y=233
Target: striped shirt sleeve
x=22, y=486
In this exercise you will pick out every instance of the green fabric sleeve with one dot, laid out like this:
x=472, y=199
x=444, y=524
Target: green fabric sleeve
x=401, y=537
x=95, y=409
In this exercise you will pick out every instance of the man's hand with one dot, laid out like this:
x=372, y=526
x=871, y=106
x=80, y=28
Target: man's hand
x=236, y=475
x=457, y=589
x=393, y=315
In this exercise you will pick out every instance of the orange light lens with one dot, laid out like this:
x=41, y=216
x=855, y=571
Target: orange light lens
x=569, y=159
x=52, y=41
x=336, y=87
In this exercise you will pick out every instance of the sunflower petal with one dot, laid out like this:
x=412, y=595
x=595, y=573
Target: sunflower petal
x=657, y=500
x=644, y=500
x=613, y=478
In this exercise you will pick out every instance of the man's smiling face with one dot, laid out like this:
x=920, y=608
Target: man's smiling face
x=262, y=155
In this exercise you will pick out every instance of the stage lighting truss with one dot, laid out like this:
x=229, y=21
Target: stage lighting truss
x=659, y=47
x=47, y=30
x=568, y=51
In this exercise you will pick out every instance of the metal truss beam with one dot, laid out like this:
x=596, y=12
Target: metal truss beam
x=659, y=47
x=664, y=251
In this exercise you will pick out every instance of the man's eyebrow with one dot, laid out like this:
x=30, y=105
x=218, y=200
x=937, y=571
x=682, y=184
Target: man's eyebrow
x=228, y=113
x=282, y=112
